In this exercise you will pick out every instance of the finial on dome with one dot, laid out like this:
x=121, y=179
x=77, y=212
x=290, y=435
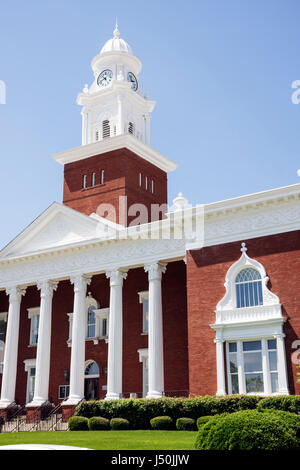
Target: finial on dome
x=116, y=30
x=244, y=248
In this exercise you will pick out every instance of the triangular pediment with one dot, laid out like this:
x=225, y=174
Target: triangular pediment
x=57, y=227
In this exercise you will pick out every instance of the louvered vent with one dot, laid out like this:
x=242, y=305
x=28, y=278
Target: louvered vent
x=131, y=128
x=105, y=129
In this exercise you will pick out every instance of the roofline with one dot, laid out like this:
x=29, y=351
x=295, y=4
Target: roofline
x=115, y=143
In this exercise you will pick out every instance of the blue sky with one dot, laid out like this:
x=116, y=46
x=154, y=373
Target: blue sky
x=220, y=70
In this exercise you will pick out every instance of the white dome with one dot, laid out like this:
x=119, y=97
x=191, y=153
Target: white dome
x=116, y=44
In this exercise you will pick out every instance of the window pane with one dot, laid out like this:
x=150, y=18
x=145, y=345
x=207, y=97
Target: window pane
x=274, y=382
x=235, y=383
x=2, y=326
x=91, y=331
x=232, y=347
x=254, y=383
x=273, y=360
x=272, y=344
x=251, y=345
x=104, y=327
x=253, y=362
x=233, y=362
x=35, y=328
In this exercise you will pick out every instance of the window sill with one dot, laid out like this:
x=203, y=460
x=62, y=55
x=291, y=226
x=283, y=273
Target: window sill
x=144, y=333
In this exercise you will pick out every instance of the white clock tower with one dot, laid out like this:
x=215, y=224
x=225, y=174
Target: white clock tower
x=114, y=104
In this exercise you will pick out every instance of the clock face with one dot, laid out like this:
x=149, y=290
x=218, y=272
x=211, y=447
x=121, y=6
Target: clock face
x=105, y=78
x=132, y=79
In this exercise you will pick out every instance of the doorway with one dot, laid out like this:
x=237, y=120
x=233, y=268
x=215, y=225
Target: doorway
x=91, y=381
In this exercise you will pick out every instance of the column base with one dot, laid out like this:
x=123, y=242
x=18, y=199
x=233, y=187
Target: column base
x=39, y=403
x=154, y=394
x=67, y=412
x=6, y=404
x=72, y=401
x=112, y=396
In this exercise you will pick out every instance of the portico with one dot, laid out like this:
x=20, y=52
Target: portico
x=146, y=254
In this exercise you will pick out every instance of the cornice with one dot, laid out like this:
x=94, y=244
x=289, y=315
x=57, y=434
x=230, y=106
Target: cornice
x=115, y=143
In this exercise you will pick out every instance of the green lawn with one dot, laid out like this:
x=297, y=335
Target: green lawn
x=107, y=440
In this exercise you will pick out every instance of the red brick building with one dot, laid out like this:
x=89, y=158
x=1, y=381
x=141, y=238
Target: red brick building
x=114, y=294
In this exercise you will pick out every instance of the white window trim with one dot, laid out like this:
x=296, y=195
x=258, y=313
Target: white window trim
x=29, y=364
x=143, y=296
x=101, y=314
x=249, y=323
x=3, y=316
x=32, y=312
x=241, y=374
x=143, y=356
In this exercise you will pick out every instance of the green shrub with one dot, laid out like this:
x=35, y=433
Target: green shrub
x=140, y=411
x=161, y=423
x=289, y=403
x=119, y=424
x=185, y=424
x=202, y=420
x=250, y=430
x=97, y=423
x=78, y=423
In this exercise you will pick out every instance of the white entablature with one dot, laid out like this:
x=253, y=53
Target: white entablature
x=114, y=104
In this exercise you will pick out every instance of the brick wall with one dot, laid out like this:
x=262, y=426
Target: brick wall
x=174, y=324
x=121, y=168
x=206, y=271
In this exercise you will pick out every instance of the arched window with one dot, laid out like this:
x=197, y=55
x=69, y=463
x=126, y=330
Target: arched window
x=84, y=181
x=92, y=369
x=248, y=286
x=93, y=179
x=105, y=129
x=91, y=322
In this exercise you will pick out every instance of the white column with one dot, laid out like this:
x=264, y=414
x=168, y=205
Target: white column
x=41, y=386
x=78, y=340
x=120, y=115
x=115, y=335
x=281, y=361
x=155, y=331
x=221, y=389
x=11, y=347
x=147, y=118
x=84, y=115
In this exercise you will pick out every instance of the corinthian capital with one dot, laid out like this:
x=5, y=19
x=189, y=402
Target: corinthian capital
x=155, y=270
x=15, y=293
x=81, y=281
x=116, y=276
x=47, y=288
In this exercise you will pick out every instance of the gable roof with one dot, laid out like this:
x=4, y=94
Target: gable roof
x=58, y=226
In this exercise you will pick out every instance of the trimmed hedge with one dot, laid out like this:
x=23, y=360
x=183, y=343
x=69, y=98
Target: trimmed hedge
x=186, y=424
x=78, y=423
x=203, y=420
x=250, y=430
x=164, y=423
x=139, y=412
x=119, y=424
x=97, y=423
x=289, y=403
